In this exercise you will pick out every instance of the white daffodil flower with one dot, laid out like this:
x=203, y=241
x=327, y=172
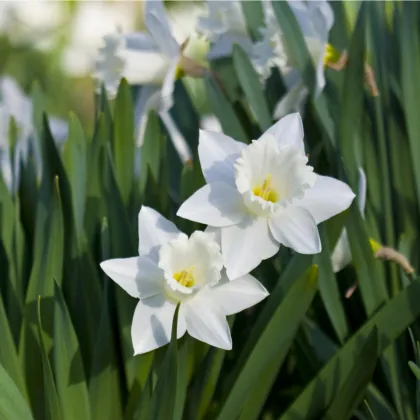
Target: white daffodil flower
x=261, y=195
x=315, y=19
x=173, y=268
x=341, y=255
x=224, y=25
x=14, y=103
x=154, y=60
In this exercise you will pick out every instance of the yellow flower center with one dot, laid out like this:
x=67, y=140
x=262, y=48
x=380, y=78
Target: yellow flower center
x=266, y=191
x=331, y=55
x=185, y=277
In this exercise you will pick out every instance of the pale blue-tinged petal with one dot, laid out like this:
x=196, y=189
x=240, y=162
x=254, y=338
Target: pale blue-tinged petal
x=178, y=140
x=216, y=204
x=223, y=47
x=168, y=86
x=147, y=100
x=157, y=24
x=154, y=231
x=291, y=101
x=361, y=192
x=140, y=41
x=218, y=154
x=206, y=321
x=237, y=295
x=288, y=132
x=215, y=234
x=295, y=228
x=341, y=255
x=246, y=244
x=326, y=198
x=138, y=276
x=152, y=324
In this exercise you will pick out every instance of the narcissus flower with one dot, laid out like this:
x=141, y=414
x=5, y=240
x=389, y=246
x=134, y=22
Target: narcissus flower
x=173, y=268
x=14, y=103
x=154, y=60
x=262, y=195
x=224, y=25
x=315, y=19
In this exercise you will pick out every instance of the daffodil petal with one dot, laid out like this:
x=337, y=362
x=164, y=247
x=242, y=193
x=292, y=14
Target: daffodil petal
x=178, y=140
x=327, y=198
x=215, y=233
x=288, y=131
x=148, y=99
x=361, y=191
x=157, y=24
x=152, y=324
x=124, y=272
x=223, y=46
x=218, y=154
x=145, y=67
x=292, y=101
x=154, y=231
x=341, y=255
x=245, y=245
x=216, y=204
x=206, y=322
x=239, y=294
x=140, y=41
x=138, y=276
x=296, y=228
x=167, y=100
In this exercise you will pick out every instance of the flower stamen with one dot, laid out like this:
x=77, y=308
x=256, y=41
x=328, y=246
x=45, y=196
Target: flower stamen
x=185, y=277
x=266, y=191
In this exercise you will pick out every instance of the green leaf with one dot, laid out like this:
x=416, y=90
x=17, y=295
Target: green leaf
x=295, y=43
x=224, y=111
x=254, y=17
x=352, y=96
x=410, y=65
x=8, y=354
x=123, y=140
x=52, y=403
x=68, y=367
x=151, y=151
x=12, y=404
x=324, y=388
x=75, y=160
x=354, y=388
x=166, y=393
x=415, y=369
x=47, y=266
x=104, y=385
x=275, y=339
x=252, y=88
x=328, y=288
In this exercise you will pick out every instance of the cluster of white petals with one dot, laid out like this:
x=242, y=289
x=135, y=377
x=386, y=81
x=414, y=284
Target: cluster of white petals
x=262, y=195
x=172, y=269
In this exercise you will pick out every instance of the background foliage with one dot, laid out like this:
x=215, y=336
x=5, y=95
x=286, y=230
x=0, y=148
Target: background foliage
x=306, y=352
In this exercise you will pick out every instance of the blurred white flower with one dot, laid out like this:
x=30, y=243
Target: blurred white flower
x=341, y=255
x=14, y=103
x=153, y=60
x=315, y=19
x=262, y=195
x=34, y=21
x=94, y=20
x=173, y=268
x=224, y=25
